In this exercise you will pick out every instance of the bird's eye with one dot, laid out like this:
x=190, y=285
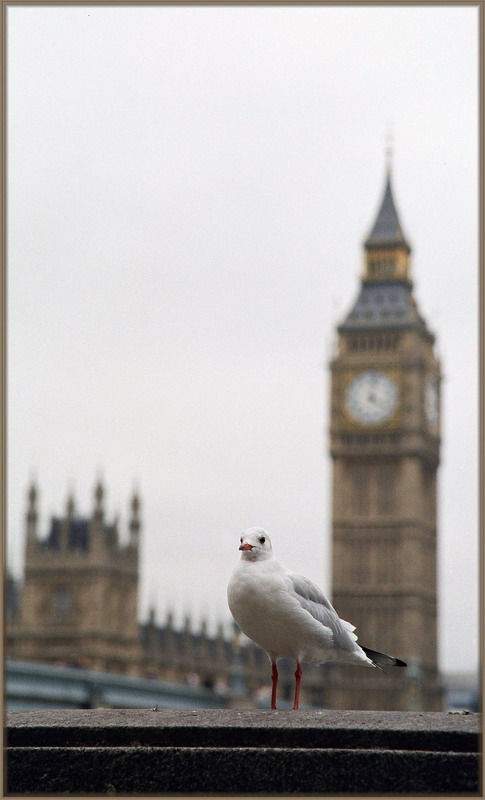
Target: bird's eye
x=262, y=539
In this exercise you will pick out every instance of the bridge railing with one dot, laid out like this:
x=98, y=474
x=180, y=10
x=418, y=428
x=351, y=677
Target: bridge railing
x=31, y=685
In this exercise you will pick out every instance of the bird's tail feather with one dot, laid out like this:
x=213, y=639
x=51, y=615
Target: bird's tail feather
x=381, y=660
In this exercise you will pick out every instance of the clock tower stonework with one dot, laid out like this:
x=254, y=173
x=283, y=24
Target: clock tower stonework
x=385, y=446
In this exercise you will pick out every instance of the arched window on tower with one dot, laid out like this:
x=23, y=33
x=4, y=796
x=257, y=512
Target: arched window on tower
x=62, y=604
x=382, y=268
x=360, y=491
x=386, y=489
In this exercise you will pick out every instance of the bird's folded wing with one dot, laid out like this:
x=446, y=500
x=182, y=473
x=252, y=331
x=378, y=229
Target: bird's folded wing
x=312, y=599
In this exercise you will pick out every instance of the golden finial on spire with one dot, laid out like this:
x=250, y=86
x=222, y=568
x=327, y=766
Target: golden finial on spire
x=98, y=498
x=70, y=505
x=135, y=519
x=32, y=495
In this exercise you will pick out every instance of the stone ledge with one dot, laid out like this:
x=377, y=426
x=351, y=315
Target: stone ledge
x=241, y=752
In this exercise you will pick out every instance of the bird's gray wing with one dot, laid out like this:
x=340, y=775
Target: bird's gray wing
x=312, y=599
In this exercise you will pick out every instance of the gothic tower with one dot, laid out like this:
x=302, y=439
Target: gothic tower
x=385, y=446
x=79, y=599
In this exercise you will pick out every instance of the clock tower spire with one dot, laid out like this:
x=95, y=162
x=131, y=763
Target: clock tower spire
x=385, y=443
x=387, y=251
x=386, y=300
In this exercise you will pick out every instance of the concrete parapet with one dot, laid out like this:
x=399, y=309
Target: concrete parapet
x=241, y=752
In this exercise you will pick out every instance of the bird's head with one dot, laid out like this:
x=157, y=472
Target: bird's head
x=255, y=545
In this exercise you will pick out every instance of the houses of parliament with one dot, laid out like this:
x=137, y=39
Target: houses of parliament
x=77, y=602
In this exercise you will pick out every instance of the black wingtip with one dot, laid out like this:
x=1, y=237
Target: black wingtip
x=381, y=660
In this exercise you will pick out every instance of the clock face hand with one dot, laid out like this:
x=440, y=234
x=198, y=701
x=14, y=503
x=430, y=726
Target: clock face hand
x=371, y=397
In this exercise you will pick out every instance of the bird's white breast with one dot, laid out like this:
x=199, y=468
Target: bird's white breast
x=272, y=617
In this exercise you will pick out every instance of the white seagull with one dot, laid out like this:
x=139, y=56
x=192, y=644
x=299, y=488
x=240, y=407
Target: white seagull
x=289, y=616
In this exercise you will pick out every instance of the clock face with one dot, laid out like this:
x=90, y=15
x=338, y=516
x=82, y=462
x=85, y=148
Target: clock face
x=371, y=397
x=431, y=403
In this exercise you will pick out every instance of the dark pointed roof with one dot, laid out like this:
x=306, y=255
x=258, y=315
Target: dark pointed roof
x=386, y=305
x=387, y=231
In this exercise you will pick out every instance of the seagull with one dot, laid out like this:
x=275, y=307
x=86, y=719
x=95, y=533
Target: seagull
x=289, y=616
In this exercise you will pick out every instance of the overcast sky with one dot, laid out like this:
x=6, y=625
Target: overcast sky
x=189, y=189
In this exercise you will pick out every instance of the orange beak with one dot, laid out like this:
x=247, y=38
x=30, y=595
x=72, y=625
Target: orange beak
x=246, y=546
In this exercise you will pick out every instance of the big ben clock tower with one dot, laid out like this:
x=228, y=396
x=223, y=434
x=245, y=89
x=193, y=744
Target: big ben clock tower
x=385, y=444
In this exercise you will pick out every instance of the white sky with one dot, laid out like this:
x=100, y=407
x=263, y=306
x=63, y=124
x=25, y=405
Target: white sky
x=189, y=189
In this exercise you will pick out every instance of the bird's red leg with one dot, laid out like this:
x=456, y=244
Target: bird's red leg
x=274, y=679
x=298, y=674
